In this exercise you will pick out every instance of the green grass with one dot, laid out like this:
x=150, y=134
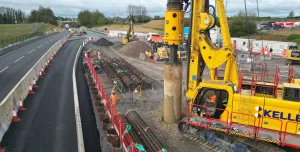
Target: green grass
x=12, y=33
x=158, y=29
x=14, y=30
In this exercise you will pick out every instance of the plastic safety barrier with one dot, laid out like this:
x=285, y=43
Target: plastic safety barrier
x=125, y=139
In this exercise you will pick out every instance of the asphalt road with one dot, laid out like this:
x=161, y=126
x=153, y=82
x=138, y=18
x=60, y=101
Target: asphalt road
x=48, y=124
x=15, y=65
x=89, y=126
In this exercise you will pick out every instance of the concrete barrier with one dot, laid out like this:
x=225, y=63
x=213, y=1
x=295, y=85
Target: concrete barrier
x=21, y=89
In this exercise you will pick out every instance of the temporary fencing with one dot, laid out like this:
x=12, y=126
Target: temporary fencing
x=119, y=125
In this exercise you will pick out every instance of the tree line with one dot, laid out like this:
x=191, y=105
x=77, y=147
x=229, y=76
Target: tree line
x=138, y=13
x=11, y=16
x=91, y=18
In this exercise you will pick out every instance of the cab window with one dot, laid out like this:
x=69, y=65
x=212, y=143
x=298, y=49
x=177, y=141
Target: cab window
x=210, y=99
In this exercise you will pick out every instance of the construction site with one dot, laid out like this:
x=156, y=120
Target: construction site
x=159, y=93
x=161, y=86
x=139, y=82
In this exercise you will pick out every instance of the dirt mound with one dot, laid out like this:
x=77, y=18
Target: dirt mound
x=103, y=42
x=134, y=48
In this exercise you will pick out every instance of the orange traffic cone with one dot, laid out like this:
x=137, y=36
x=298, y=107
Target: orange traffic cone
x=43, y=70
x=41, y=75
x=15, y=116
x=21, y=108
x=34, y=84
x=30, y=89
x=47, y=65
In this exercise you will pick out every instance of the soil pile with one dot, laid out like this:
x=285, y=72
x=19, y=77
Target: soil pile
x=103, y=42
x=134, y=48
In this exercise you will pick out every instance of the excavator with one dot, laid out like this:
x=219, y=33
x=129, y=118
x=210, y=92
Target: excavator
x=129, y=37
x=293, y=55
x=236, y=111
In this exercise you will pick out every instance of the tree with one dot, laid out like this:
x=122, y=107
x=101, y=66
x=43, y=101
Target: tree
x=138, y=14
x=88, y=18
x=45, y=15
x=11, y=16
x=291, y=14
x=238, y=26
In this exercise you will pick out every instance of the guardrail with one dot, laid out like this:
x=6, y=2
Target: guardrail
x=11, y=103
x=125, y=139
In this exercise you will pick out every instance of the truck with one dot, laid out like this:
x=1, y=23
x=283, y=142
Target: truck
x=83, y=30
x=67, y=26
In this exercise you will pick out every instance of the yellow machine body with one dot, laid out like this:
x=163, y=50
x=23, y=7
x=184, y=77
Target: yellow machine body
x=128, y=37
x=258, y=111
x=174, y=27
x=291, y=58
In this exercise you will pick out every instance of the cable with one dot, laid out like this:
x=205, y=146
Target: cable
x=262, y=42
x=248, y=34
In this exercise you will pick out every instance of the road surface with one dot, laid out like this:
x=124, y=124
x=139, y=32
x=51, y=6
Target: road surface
x=14, y=65
x=48, y=124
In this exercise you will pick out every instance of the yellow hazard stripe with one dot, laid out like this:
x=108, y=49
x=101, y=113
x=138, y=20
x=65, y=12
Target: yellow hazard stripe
x=240, y=134
x=268, y=140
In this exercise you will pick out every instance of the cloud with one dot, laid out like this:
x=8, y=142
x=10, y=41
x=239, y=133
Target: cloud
x=70, y=8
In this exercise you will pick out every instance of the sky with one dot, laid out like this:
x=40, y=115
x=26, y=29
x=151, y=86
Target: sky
x=111, y=8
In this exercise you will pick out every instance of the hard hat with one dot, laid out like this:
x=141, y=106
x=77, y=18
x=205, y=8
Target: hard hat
x=113, y=91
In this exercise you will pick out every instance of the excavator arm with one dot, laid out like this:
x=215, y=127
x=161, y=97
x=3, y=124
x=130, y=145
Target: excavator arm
x=203, y=52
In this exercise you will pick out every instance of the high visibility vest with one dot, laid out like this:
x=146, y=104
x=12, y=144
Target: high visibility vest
x=212, y=99
x=284, y=52
x=234, y=45
x=114, y=99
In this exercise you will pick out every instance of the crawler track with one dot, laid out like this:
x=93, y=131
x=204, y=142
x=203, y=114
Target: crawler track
x=221, y=142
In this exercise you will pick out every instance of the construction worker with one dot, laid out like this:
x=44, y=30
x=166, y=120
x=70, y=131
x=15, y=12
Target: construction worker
x=270, y=53
x=212, y=99
x=283, y=53
x=114, y=98
x=251, y=48
x=234, y=45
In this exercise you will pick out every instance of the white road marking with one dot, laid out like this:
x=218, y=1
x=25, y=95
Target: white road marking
x=31, y=51
x=80, y=141
x=4, y=69
x=19, y=59
x=40, y=46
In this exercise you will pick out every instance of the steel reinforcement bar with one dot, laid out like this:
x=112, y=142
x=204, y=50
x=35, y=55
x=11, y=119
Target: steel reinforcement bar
x=145, y=81
x=146, y=135
x=112, y=74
